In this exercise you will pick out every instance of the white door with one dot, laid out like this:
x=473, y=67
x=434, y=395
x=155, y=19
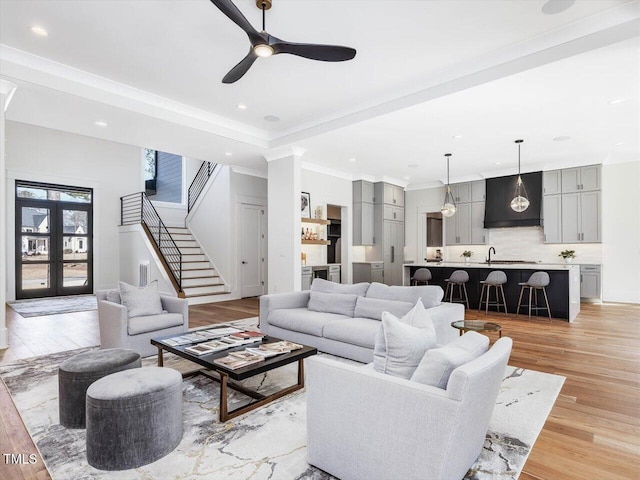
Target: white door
x=251, y=251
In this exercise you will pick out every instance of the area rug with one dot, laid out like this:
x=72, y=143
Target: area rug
x=55, y=305
x=268, y=443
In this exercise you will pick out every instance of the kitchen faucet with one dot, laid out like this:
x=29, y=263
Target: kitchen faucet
x=489, y=259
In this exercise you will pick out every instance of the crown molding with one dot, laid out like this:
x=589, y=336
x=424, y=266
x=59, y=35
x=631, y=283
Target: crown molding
x=248, y=171
x=7, y=89
x=312, y=167
x=283, y=152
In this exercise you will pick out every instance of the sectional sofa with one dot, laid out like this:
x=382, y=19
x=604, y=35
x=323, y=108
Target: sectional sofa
x=344, y=319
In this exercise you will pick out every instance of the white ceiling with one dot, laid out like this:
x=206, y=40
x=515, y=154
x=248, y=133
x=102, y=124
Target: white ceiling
x=161, y=63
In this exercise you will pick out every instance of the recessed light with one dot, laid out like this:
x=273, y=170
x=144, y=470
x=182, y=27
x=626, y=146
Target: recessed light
x=41, y=32
x=228, y=154
x=407, y=178
x=497, y=163
x=562, y=138
x=100, y=123
x=413, y=165
x=272, y=118
x=618, y=144
x=241, y=106
x=352, y=160
x=556, y=6
x=456, y=137
x=616, y=101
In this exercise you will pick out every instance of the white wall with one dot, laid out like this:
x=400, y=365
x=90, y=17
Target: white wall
x=52, y=156
x=621, y=232
x=328, y=189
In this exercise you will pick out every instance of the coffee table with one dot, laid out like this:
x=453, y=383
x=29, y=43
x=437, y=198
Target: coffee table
x=227, y=376
x=477, y=326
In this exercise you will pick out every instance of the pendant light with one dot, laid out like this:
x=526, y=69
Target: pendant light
x=520, y=201
x=449, y=205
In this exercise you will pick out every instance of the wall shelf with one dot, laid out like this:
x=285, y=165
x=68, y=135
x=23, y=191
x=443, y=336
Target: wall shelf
x=315, y=242
x=317, y=221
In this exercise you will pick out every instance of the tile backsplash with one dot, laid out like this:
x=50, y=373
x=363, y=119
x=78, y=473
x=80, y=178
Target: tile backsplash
x=525, y=243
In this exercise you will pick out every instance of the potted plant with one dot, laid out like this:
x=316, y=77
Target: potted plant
x=568, y=255
x=467, y=255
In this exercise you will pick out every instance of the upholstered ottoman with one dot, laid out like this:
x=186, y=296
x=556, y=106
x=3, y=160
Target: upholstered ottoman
x=134, y=417
x=78, y=372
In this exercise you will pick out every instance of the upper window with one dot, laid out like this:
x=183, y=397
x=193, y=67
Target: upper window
x=56, y=194
x=163, y=176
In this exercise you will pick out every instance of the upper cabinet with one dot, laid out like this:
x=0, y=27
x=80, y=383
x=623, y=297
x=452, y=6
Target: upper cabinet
x=363, y=192
x=466, y=227
x=479, y=191
x=581, y=179
x=363, y=212
x=552, y=182
x=393, y=195
x=461, y=192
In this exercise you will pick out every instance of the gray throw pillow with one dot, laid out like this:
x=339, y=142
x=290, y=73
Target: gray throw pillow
x=340, y=303
x=438, y=363
x=113, y=296
x=431, y=295
x=141, y=301
x=324, y=286
x=373, y=308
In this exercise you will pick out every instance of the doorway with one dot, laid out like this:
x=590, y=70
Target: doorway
x=252, y=240
x=54, y=240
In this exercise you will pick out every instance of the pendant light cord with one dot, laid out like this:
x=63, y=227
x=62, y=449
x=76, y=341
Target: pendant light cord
x=263, y=18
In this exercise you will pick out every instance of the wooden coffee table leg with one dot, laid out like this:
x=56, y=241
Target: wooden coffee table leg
x=224, y=416
x=300, y=373
x=160, y=357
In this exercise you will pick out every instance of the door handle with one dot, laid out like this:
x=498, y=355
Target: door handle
x=244, y=263
x=393, y=254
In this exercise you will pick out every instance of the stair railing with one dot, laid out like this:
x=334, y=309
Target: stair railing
x=200, y=180
x=137, y=208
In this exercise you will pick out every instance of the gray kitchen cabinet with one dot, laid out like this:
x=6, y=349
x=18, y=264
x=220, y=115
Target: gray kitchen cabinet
x=458, y=227
x=552, y=182
x=581, y=179
x=450, y=230
x=334, y=273
x=368, y=272
x=307, y=276
x=552, y=218
x=391, y=194
x=461, y=192
x=363, y=192
x=478, y=232
x=581, y=217
x=393, y=252
x=478, y=191
x=393, y=213
x=590, y=282
x=363, y=223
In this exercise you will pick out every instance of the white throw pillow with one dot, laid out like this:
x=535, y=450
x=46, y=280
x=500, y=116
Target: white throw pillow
x=141, y=301
x=402, y=343
x=438, y=363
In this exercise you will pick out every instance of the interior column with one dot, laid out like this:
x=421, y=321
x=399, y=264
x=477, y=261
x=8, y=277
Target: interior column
x=6, y=92
x=284, y=219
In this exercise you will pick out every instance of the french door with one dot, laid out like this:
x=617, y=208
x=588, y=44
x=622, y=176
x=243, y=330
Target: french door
x=54, y=241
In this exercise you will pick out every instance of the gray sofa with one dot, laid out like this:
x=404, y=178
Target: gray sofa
x=344, y=319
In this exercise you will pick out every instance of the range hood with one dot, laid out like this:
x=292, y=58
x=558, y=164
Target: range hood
x=499, y=193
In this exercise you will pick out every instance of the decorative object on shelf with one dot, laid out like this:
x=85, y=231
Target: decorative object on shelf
x=568, y=255
x=305, y=205
x=520, y=200
x=319, y=212
x=467, y=255
x=449, y=205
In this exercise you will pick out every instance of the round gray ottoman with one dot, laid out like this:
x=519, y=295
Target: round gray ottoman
x=78, y=372
x=134, y=417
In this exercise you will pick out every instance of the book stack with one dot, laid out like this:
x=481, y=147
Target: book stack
x=239, y=359
x=207, y=347
x=272, y=349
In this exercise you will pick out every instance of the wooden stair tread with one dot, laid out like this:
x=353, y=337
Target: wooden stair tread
x=205, y=294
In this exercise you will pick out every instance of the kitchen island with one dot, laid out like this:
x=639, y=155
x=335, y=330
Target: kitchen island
x=563, y=290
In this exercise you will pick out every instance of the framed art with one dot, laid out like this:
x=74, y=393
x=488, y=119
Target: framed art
x=305, y=205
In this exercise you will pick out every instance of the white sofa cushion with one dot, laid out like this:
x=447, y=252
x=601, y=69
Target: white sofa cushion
x=340, y=303
x=303, y=320
x=438, y=363
x=373, y=308
x=141, y=301
x=355, y=331
x=401, y=343
x=324, y=286
x=431, y=295
x=152, y=323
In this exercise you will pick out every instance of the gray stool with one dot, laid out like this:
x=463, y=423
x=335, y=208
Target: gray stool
x=459, y=278
x=133, y=418
x=495, y=279
x=78, y=372
x=422, y=275
x=537, y=281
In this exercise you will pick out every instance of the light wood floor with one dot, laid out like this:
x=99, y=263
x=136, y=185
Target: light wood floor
x=592, y=433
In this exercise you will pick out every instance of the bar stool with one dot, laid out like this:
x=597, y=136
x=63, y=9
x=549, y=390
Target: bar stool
x=495, y=279
x=422, y=275
x=537, y=281
x=459, y=278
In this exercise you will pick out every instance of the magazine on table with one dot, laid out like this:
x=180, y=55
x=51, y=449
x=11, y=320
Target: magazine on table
x=247, y=334
x=283, y=346
x=264, y=353
x=238, y=360
x=218, y=332
x=234, y=342
x=175, y=341
x=216, y=345
x=200, y=349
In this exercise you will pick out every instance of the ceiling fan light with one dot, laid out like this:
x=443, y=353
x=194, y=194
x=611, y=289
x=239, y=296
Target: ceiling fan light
x=263, y=50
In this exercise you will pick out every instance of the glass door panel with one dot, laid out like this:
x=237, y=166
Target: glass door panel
x=74, y=275
x=36, y=277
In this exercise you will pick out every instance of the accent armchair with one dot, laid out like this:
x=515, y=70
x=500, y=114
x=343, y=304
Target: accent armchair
x=362, y=424
x=117, y=330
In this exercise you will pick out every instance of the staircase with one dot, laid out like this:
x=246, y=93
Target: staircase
x=199, y=278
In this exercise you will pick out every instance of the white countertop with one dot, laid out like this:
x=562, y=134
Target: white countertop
x=498, y=266
x=369, y=263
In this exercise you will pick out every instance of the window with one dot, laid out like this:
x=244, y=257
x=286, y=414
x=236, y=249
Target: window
x=163, y=176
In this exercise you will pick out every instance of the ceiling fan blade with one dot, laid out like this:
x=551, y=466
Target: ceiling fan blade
x=325, y=53
x=235, y=15
x=241, y=68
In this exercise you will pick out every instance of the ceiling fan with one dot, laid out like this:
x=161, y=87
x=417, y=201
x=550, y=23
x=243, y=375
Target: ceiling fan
x=265, y=45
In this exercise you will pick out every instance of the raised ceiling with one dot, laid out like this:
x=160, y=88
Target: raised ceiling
x=425, y=71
